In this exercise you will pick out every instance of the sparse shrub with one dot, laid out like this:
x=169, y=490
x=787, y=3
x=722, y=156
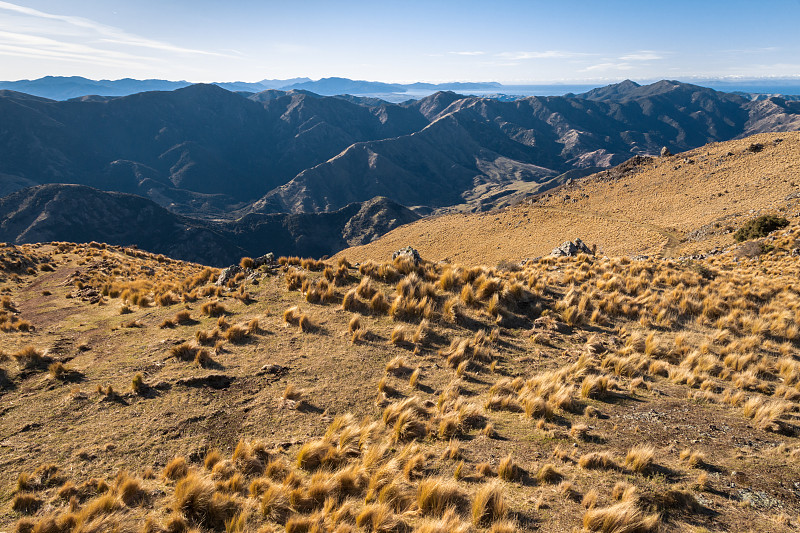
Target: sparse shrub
x=137, y=384
x=759, y=227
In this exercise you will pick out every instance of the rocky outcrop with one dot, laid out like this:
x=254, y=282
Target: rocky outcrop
x=571, y=249
x=407, y=253
x=230, y=272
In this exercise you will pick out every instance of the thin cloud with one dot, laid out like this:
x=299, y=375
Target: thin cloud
x=547, y=54
x=758, y=50
x=476, y=53
x=36, y=46
x=643, y=55
x=608, y=66
x=106, y=34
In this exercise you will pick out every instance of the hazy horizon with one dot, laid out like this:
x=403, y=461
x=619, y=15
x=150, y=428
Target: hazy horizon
x=512, y=42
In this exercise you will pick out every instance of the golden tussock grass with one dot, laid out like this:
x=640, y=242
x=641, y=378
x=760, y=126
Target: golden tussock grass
x=508, y=470
x=640, y=458
x=488, y=505
x=624, y=516
x=549, y=474
x=598, y=461
x=176, y=469
x=435, y=495
x=213, y=308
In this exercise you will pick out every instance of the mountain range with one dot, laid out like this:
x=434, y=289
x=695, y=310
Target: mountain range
x=70, y=87
x=230, y=161
x=76, y=213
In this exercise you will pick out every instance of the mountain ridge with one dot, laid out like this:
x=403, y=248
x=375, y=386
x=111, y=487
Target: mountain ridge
x=77, y=213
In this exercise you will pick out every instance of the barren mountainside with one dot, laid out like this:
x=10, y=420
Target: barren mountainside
x=205, y=151
x=678, y=205
x=81, y=214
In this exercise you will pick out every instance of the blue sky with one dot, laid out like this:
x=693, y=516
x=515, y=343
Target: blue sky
x=436, y=41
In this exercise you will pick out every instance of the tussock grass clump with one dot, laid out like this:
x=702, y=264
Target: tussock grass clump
x=138, y=385
x=208, y=337
x=598, y=461
x=237, y=334
x=274, y=503
x=58, y=370
x=508, y=470
x=594, y=387
x=624, y=516
x=295, y=316
x=640, y=458
x=695, y=459
x=378, y=304
x=398, y=366
x=398, y=335
x=203, y=359
x=672, y=500
x=31, y=358
x=184, y=351
x=176, y=469
x=413, y=380
x=130, y=490
x=489, y=506
x=435, y=495
x=548, y=474
x=291, y=315
x=197, y=500
x=213, y=308
x=379, y=517
x=26, y=503
x=354, y=324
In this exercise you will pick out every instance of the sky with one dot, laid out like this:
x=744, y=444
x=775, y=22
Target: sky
x=512, y=42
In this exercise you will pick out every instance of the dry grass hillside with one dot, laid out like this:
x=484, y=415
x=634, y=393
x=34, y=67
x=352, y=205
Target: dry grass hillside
x=667, y=206
x=588, y=393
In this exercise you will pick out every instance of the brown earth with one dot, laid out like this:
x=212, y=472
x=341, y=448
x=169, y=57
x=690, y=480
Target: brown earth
x=618, y=353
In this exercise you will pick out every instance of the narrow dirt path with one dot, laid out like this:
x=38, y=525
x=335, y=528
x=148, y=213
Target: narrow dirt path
x=673, y=238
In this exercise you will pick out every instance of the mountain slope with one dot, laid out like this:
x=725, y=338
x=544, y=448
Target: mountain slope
x=78, y=213
x=205, y=151
x=577, y=393
x=679, y=205
x=474, y=142
x=186, y=141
